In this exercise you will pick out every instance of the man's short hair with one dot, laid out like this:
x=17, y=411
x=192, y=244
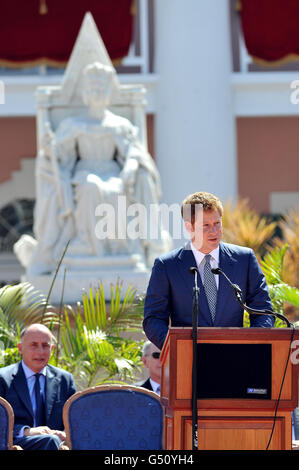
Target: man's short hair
x=146, y=348
x=207, y=201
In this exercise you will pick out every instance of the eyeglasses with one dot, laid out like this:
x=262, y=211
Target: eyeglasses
x=156, y=355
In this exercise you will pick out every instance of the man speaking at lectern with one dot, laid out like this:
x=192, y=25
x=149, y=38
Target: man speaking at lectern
x=170, y=290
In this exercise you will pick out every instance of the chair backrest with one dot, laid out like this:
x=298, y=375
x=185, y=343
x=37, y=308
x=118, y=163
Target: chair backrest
x=6, y=424
x=116, y=417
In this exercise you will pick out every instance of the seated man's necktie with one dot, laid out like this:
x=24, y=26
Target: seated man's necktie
x=40, y=412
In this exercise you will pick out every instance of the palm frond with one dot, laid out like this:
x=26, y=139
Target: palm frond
x=288, y=294
x=272, y=264
x=244, y=226
x=91, y=343
x=21, y=305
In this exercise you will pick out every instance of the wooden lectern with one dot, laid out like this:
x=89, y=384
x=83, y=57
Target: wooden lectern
x=234, y=416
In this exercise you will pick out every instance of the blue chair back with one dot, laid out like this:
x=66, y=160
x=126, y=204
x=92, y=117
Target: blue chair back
x=6, y=425
x=114, y=418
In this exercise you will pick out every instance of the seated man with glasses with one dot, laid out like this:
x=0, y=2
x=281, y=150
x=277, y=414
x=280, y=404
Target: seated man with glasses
x=151, y=361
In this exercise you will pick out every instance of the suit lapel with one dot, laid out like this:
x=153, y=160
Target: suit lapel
x=21, y=388
x=187, y=260
x=227, y=264
x=147, y=384
x=51, y=389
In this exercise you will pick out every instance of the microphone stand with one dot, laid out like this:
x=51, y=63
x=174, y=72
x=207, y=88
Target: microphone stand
x=238, y=294
x=194, y=363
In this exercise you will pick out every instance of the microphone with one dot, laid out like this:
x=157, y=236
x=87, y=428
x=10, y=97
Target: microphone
x=238, y=293
x=194, y=270
x=237, y=290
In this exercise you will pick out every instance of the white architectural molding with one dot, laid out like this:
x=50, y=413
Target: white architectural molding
x=264, y=94
x=254, y=93
x=20, y=91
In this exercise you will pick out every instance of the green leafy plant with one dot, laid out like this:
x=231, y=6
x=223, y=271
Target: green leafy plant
x=289, y=226
x=92, y=346
x=21, y=305
x=120, y=314
x=280, y=291
x=9, y=356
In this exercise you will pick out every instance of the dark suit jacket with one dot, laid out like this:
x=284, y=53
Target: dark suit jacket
x=59, y=386
x=170, y=290
x=147, y=385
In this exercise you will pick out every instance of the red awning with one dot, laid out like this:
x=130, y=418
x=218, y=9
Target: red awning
x=271, y=29
x=44, y=31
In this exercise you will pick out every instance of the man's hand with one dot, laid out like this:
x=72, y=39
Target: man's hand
x=60, y=434
x=37, y=431
x=44, y=430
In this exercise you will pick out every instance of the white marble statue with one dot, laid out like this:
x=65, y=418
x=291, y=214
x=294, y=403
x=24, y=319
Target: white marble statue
x=91, y=159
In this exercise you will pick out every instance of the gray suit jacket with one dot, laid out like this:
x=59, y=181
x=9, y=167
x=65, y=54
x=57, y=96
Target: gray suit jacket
x=59, y=386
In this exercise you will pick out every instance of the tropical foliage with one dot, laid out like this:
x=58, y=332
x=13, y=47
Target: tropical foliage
x=21, y=305
x=289, y=227
x=278, y=257
x=280, y=292
x=93, y=344
x=93, y=341
x=244, y=226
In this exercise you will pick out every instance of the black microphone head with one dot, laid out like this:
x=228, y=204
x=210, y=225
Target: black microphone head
x=193, y=270
x=216, y=270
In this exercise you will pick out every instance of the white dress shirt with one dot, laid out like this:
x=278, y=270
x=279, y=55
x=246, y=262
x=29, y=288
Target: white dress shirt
x=155, y=386
x=199, y=258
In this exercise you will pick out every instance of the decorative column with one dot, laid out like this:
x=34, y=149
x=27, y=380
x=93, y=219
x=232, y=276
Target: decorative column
x=195, y=124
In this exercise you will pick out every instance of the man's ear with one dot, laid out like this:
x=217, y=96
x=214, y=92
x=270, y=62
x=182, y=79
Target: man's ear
x=19, y=345
x=144, y=360
x=189, y=226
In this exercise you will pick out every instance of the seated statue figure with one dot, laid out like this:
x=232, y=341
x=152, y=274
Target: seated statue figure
x=90, y=160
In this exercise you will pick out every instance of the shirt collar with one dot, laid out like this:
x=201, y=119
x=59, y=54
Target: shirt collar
x=199, y=256
x=154, y=385
x=29, y=373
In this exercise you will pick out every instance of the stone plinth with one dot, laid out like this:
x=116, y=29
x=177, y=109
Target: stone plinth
x=79, y=277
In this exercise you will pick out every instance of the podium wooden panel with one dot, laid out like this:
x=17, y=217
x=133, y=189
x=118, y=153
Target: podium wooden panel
x=228, y=424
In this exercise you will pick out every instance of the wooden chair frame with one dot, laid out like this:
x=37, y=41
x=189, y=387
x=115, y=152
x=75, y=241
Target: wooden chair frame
x=11, y=419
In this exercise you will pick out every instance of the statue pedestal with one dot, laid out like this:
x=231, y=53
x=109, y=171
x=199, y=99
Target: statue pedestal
x=83, y=273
